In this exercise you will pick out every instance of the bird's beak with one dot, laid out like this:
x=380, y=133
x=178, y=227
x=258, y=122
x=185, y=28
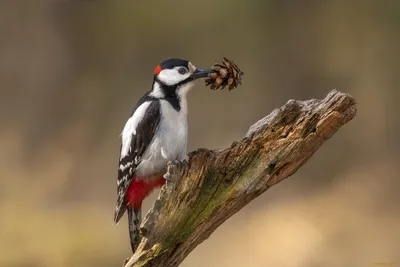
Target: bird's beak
x=201, y=73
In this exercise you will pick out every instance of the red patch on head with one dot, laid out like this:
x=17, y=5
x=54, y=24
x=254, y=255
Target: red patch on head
x=157, y=70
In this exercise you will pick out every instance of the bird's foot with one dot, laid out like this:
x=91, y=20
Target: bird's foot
x=171, y=170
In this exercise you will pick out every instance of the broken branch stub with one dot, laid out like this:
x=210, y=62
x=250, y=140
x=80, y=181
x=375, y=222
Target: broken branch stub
x=212, y=185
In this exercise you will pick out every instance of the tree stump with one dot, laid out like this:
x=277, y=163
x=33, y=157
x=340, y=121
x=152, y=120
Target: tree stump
x=212, y=185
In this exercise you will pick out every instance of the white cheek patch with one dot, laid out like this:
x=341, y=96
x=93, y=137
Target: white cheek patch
x=172, y=76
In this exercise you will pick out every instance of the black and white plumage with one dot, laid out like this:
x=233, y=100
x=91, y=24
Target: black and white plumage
x=155, y=133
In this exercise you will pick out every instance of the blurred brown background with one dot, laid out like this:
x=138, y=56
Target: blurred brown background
x=70, y=72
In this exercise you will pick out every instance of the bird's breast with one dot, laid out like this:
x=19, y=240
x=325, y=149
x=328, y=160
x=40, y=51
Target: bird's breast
x=169, y=142
x=173, y=131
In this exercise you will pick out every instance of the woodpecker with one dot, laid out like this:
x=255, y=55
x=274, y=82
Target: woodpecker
x=155, y=133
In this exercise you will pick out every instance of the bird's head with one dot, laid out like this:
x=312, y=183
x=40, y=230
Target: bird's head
x=174, y=77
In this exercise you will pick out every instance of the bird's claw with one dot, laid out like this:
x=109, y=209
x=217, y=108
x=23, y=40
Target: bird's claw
x=171, y=170
x=168, y=178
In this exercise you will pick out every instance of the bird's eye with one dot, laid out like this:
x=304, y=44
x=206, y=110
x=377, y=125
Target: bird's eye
x=182, y=70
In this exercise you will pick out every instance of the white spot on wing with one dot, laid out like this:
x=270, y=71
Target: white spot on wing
x=130, y=128
x=137, y=160
x=122, y=167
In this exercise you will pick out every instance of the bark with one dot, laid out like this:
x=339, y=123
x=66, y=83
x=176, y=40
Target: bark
x=212, y=185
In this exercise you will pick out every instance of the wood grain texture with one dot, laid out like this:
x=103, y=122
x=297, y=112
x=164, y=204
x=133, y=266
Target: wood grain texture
x=212, y=185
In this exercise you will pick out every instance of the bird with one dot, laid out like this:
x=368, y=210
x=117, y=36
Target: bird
x=156, y=133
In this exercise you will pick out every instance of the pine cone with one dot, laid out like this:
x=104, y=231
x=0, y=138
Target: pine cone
x=226, y=74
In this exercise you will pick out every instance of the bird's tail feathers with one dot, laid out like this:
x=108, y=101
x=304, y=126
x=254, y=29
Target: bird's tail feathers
x=134, y=220
x=120, y=210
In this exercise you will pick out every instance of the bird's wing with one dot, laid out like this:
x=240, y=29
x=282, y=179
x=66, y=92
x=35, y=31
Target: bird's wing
x=138, y=133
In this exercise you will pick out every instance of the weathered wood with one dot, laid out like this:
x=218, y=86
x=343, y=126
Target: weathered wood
x=212, y=185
